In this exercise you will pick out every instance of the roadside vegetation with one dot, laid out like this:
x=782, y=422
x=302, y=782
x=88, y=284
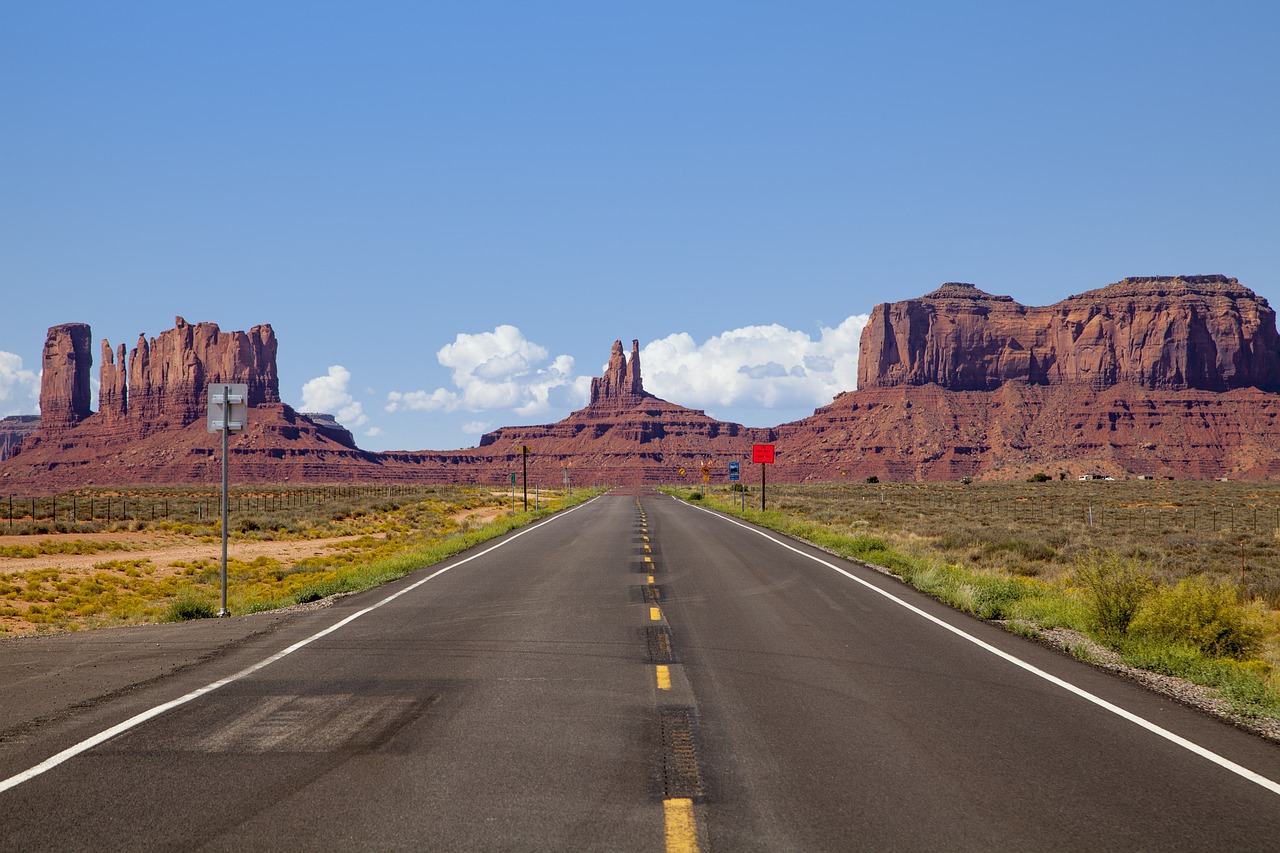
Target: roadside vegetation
x=370, y=535
x=1179, y=578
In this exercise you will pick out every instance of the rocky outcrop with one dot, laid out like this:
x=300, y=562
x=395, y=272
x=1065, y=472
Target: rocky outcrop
x=1162, y=333
x=1157, y=376
x=64, y=382
x=150, y=426
x=169, y=374
x=621, y=383
x=113, y=385
x=329, y=427
x=13, y=430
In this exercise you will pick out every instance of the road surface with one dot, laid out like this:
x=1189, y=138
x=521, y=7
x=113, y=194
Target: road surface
x=635, y=674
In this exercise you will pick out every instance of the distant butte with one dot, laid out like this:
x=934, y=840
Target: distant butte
x=1165, y=376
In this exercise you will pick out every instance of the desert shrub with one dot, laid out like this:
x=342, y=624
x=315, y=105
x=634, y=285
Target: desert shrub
x=188, y=607
x=1039, y=477
x=1204, y=615
x=1114, y=587
x=695, y=496
x=873, y=479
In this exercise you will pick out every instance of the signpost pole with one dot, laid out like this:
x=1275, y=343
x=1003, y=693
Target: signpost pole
x=762, y=467
x=524, y=473
x=226, y=431
x=228, y=413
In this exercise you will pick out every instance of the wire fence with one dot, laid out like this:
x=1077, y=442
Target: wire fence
x=187, y=507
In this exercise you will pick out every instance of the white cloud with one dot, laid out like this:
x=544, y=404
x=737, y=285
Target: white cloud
x=19, y=388
x=373, y=432
x=755, y=366
x=329, y=394
x=498, y=370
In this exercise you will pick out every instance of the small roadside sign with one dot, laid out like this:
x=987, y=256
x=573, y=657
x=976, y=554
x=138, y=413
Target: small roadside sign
x=763, y=454
x=228, y=406
x=735, y=472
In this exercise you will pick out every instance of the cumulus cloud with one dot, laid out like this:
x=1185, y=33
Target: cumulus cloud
x=19, y=388
x=497, y=370
x=755, y=367
x=330, y=394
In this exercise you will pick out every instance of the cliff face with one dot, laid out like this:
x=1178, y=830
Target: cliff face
x=168, y=375
x=1161, y=376
x=1164, y=333
x=150, y=426
x=64, y=381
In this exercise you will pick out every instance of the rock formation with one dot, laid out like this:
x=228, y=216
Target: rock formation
x=169, y=374
x=64, y=382
x=1156, y=376
x=13, y=430
x=621, y=381
x=1165, y=333
x=113, y=385
x=150, y=426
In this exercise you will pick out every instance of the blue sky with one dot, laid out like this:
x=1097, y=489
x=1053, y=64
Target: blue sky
x=449, y=211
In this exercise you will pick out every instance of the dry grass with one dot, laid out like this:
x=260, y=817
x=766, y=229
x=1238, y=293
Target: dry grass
x=286, y=546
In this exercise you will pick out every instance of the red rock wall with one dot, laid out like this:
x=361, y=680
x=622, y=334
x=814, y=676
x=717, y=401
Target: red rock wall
x=1165, y=333
x=64, y=382
x=169, y=374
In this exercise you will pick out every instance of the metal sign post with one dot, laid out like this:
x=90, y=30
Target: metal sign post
x=228, y=411
x=524, y=473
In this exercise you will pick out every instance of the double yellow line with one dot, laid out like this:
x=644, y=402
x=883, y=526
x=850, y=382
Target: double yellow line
x=680, y=830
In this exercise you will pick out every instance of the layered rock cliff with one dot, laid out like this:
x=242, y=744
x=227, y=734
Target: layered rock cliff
x=168, y=375
x=1161, y=376
x=1162, y=333
x=150, y=426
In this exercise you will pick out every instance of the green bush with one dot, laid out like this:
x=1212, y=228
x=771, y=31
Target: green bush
x=1204, y=615
x=695, y=496
x=190, y=608
x=873, y=479
x=1039, y=477
x=1114, y=587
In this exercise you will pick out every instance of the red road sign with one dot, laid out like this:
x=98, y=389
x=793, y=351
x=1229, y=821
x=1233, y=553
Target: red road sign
x=762, y=454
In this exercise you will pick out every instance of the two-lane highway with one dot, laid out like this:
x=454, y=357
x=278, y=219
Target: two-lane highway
x=632, y=675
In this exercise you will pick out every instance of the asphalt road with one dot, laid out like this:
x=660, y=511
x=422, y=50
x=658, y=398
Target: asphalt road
x=636, y=674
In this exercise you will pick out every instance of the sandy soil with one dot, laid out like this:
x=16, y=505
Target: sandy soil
x=161, y=549
x=164, y=549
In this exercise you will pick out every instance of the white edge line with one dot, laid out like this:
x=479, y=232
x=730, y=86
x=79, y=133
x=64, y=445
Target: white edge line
x=138, y=719
x=1190, y=746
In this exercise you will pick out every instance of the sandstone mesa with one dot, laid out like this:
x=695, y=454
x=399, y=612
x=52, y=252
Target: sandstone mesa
x=1160, y=376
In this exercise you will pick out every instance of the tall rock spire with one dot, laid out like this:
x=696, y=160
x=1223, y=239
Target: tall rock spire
x=621, y=380
x=64, y=382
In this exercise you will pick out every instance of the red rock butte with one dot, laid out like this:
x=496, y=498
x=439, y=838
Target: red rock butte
x=1160, y=376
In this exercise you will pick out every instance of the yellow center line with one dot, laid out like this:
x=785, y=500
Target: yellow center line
x=648, y=559
x=650, y=579
x=655, y=615
x=664, y=676
x=647, y=548
x=681, y=827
